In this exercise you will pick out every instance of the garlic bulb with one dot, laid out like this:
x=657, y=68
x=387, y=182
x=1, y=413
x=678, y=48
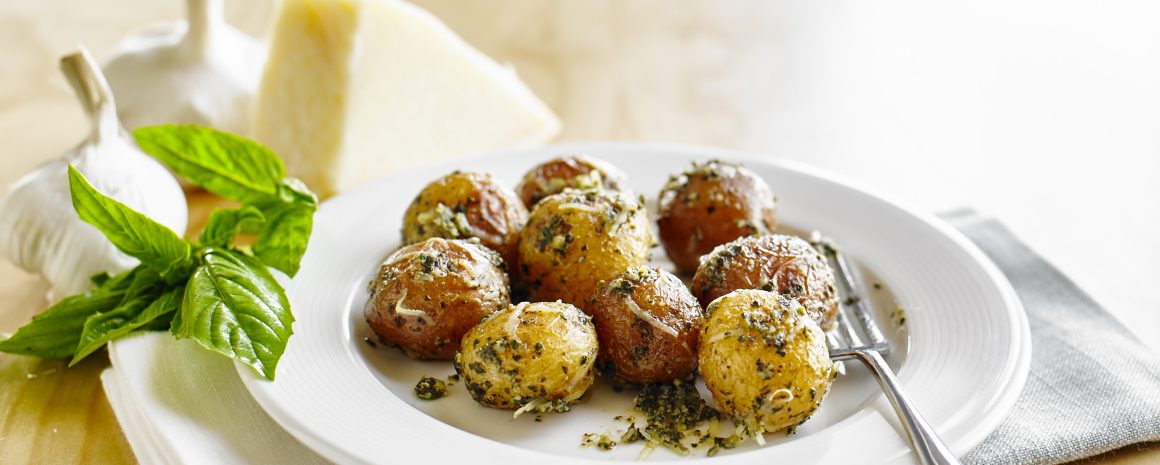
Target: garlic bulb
x=201, y=71
x=40, y=231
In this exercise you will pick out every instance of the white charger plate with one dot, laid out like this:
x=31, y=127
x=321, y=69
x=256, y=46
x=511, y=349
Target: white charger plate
x=963, y=353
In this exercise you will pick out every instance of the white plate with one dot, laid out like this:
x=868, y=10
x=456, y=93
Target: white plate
x=964, y=364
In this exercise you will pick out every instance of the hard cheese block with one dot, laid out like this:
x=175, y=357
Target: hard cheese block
x=355, y=89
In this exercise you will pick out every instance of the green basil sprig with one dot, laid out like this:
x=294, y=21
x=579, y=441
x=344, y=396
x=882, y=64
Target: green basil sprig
x=218, y=294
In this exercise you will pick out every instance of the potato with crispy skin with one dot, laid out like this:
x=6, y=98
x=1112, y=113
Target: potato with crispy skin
x=764, y=360
x=427, y=295
x=530, y=357
x=784, y=264
x=648, y=324
x=464, y=205
x=579, y=172
x=574, y=240
x=711, y=204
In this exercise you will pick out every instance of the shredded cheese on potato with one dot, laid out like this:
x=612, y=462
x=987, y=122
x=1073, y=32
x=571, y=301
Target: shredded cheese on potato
x=513, y=322
x=650, y=318
x=573, y=206
x=719, y=336
x=576, y=378
x=533, y=405
x=401, y=310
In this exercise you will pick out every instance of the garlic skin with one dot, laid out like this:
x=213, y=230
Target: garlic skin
x=39, y=229
x=201, y=71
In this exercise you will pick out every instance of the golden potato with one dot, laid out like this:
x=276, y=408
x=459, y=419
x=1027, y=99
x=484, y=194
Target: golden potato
x=464, y=205
x=574, y=240
x=532, y=356
x=648, y=324
x=784, y=264
x=711, y=204
x=427, y=295
x=568, y=171
x=765, y=361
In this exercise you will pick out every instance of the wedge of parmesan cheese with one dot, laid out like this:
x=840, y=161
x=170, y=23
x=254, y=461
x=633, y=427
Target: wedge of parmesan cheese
x=356, y=89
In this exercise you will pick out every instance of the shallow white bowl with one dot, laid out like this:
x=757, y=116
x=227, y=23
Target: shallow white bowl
x=963, y=353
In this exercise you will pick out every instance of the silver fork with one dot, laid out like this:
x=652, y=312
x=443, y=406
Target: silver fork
x=846, y=344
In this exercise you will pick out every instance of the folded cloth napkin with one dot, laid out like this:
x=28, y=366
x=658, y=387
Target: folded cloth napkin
x=1093, y=386
x=181, y=404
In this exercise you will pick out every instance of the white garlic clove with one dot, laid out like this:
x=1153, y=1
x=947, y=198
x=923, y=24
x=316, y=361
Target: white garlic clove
x=201, y=71
x=40, y=231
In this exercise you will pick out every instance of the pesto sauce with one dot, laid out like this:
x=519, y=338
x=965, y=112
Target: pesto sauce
x=430, y=388
x=675, y=416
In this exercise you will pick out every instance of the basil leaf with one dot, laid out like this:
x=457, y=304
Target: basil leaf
x=100, y=279
x=145, y=291
x=284, y=239
x=121, y=283
x=230, y=166
x=224, y=224
x=135, y=234
x=104, y=327
x=157, y=316
x=294, y=191
x=286, y=234
x=55, y=332
x=233, y=306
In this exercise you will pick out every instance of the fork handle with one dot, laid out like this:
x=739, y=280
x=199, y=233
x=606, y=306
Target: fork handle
x=927, y=446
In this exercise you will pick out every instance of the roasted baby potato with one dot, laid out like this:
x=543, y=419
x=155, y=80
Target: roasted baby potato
x=530, y=357
x=709, y=205
x=648, y=324
x=574, y=240
x=579, y=172
x=764, y=360
x=427, y=295
x=783, y=264
x=463, y=205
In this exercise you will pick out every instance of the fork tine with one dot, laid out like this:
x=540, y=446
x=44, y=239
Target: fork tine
x=854, y=299
x=846, y=329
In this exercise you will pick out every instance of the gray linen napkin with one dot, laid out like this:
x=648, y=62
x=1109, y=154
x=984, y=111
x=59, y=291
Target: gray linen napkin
x=1093, y=386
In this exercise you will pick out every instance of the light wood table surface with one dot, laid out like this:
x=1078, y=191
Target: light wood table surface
x=1043, y=114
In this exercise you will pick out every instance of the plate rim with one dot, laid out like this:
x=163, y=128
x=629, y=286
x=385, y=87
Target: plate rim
x=1001, y=408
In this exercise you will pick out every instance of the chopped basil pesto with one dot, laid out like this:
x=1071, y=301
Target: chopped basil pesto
x=430, y=388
